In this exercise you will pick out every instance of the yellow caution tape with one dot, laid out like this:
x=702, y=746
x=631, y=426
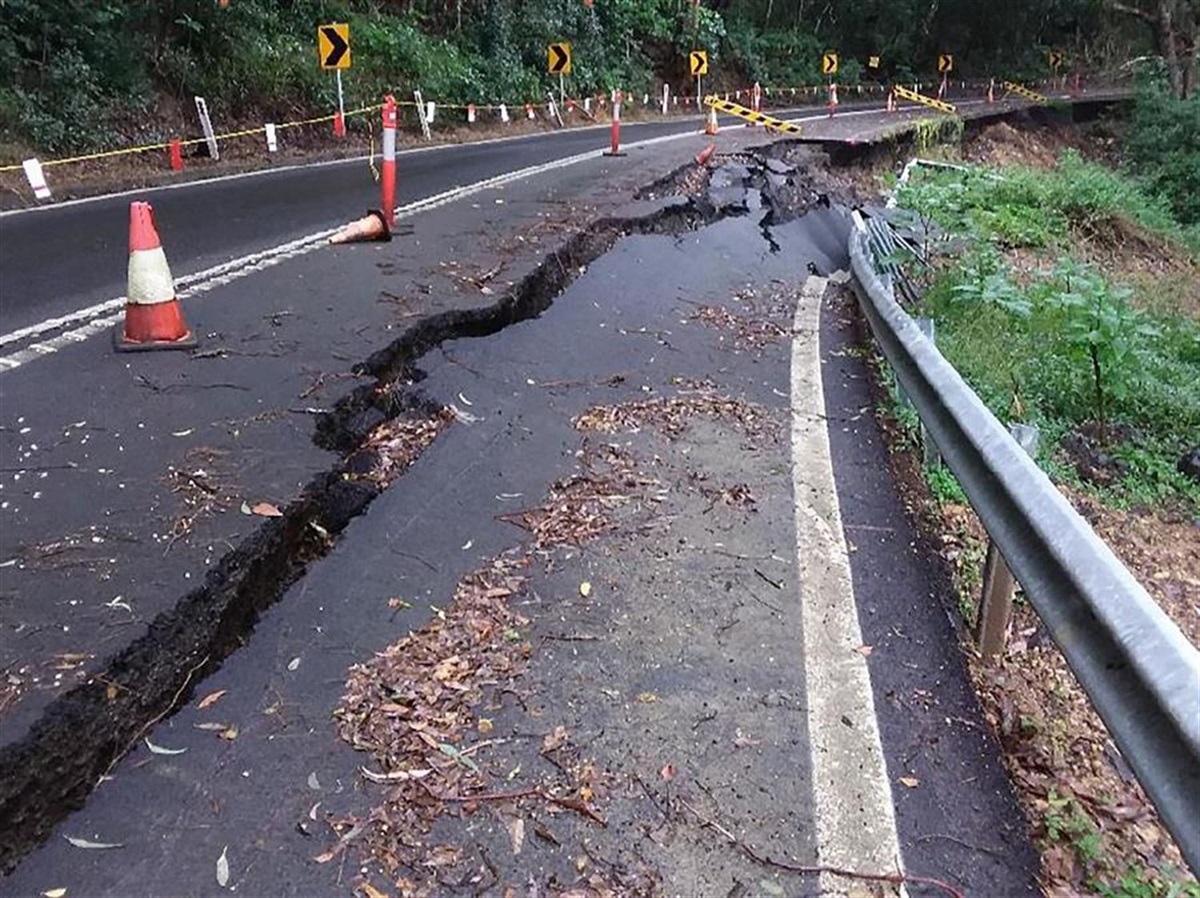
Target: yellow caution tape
x=192, y=141
x=1021, y=90
x=758, y=118
x=905, y=94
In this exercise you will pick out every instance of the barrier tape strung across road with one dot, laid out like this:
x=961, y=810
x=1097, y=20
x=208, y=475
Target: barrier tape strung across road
x=940, y=105
x=192, y=141
x=1021, y=90
x=750, y=115
x=1139, y=671
x=813, y=90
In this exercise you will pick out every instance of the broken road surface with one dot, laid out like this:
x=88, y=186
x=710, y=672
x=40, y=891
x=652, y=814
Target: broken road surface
x=607, y=591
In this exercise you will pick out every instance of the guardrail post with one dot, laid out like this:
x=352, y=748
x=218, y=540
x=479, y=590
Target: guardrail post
x=999, y=585
x=931, y=457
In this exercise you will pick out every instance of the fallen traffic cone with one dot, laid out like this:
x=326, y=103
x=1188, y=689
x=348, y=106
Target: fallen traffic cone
x=372, y=226
x=705, y=154
x=153, y=317
x=711, y=126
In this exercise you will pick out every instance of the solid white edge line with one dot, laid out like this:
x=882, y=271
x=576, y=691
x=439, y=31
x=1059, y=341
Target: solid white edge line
x=852, y=797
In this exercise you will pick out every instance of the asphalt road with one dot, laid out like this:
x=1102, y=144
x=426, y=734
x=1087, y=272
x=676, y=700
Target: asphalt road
x=60, y=258
x=123, y=476
x=686, y=653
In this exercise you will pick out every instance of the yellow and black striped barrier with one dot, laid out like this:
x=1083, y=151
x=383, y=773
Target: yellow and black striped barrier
x=940, y=105
x=1023, y=91
x=758, y=118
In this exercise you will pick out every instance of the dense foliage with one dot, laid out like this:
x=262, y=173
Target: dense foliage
x=91, y=73
x=1049, y=339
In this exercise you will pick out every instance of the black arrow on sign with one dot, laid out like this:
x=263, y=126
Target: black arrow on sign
x=560, y=60
x=337, y=47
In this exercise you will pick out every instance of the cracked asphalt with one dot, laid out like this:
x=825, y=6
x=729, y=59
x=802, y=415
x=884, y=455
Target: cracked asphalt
x=126, y=481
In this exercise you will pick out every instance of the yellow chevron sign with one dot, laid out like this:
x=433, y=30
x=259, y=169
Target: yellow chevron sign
x=769, y=122
x=1022, y=91
x=905, y=94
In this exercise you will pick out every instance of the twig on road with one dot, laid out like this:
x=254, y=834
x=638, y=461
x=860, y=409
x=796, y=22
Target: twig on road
x=898, y=879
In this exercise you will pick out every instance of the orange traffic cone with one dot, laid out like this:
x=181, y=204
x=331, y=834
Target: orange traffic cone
x=711, y=126
x=153, y=316
x=372, y=226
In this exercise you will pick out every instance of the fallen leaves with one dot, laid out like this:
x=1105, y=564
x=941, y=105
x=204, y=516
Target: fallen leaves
x=394, y=445
x=516, y=834
x=223, y=868
x=555, y=740
x=266, y=510
x=412, y=705
x=671, y=415
x=211, y=699
x=668, y=772
x=54, y=893
x=92, y=846
x=585, y=589
x=160, y=750
x=910, y=781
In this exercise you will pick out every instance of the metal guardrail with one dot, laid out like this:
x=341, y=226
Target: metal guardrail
x=1140, y=672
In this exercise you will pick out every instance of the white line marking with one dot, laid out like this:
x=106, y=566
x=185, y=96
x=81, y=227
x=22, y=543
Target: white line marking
x=226, y=272
x=203, y=281
x=411, y=151
x=855, y=816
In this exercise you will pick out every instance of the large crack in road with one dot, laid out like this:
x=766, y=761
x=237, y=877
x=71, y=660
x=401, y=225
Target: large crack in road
x=83, y=734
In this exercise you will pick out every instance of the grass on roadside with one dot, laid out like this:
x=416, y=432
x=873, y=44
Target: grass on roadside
x=1108, y=375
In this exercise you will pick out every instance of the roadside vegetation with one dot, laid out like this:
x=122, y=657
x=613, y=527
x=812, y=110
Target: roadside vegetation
x=80, y=75
x=1065, y=288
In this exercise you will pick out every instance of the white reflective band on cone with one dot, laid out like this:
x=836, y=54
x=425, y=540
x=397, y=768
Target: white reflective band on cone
x=150, y=278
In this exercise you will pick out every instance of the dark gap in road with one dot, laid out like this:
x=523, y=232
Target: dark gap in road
x=82, y=734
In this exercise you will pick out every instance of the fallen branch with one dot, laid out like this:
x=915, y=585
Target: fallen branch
x=898, y=879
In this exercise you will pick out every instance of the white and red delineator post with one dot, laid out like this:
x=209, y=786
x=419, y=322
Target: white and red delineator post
x=387, y=180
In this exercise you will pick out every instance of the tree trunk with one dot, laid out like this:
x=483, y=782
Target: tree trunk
x=1175, y=29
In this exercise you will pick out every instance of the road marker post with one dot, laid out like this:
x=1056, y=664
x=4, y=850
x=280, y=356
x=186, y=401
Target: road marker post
x=421, y=115
x=272, y=138
x=991, y=94
x=153, y=315
x=666, y=96
x=891, y=101
x=504, y=114
x=387, y=180
x=833, y=98
x=210, y=136
x=339, y=120
x=176, y=148
x=615, y=149
x=470, y=113
x=37, y=178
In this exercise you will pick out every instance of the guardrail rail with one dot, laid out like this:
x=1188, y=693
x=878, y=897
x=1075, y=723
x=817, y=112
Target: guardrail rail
x=1140, y=672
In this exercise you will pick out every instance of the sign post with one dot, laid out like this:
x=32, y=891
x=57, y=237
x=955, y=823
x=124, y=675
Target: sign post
x=945, y=67
x=698, y=66
x=333, y=52
x=558, y=62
